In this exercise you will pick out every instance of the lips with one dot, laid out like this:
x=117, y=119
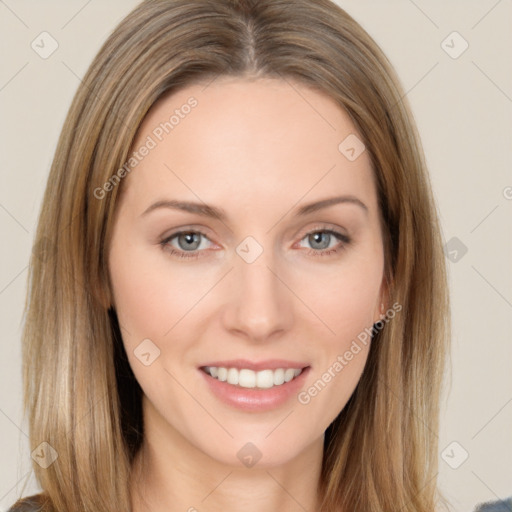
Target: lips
x=251, y=397
x=269, y=364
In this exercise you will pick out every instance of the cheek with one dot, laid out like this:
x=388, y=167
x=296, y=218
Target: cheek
x=344, y=297
x=346, y=307
x=150, y=295
x=151, y=300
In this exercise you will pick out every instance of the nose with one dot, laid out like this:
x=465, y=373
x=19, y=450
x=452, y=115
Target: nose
x=260, y=305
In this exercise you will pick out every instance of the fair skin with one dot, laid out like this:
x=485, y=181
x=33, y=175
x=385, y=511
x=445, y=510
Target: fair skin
x=258, y=150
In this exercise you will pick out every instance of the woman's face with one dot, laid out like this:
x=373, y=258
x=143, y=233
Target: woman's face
x=265, y=277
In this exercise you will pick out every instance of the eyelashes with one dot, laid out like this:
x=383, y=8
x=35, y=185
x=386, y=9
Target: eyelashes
x=196, y=237
x=332, y=235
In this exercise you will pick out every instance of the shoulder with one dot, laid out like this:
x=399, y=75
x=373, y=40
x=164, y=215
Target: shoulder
x=29, y=504
x=496, y=506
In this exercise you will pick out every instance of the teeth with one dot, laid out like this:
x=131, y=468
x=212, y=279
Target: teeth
x=233, y=376
x=222, y=374
x=245, y=378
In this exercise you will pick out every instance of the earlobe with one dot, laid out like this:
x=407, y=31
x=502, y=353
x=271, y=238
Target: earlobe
x=380, y=314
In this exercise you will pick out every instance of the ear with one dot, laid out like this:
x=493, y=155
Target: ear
x=383, y=301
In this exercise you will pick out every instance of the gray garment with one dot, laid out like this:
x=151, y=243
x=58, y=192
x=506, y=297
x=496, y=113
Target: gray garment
x=496, y=506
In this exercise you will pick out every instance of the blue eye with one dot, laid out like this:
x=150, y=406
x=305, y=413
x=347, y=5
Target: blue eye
x=188, y=242
x=191, y=244
x=321, y=242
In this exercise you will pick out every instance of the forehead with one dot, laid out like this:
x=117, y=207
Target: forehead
x=247, y=139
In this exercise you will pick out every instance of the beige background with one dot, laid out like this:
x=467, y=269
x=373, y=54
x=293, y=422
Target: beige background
x=463, y=107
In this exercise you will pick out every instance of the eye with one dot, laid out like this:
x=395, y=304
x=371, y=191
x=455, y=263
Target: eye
x=183, y=242
x=194, y=244
x=325, y=242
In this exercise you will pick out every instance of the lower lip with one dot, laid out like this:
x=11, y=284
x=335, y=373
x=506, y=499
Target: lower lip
x=255, y=399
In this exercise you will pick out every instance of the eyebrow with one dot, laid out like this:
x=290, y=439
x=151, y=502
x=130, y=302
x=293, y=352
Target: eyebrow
x=218, y=213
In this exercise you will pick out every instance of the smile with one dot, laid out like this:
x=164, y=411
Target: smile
x=246, y=378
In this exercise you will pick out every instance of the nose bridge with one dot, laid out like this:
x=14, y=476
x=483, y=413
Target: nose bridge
x=261, y=304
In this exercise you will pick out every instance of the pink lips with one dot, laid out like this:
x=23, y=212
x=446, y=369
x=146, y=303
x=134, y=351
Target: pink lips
x=255, y=399
x=269, y=364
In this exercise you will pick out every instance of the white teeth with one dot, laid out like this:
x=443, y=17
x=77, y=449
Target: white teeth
x=245, y=378
x=265, y=379
x=233, y=376
x=289, y=373
x=278, y=377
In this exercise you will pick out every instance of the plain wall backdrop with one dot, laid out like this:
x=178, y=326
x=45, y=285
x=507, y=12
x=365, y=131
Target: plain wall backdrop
x=454, y=60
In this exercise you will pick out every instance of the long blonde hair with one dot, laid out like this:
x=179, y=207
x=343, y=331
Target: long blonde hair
x=81, y=398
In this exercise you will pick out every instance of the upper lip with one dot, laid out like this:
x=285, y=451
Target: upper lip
x=268, y=364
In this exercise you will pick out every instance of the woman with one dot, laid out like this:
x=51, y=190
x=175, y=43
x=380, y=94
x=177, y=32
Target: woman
x=293, y=358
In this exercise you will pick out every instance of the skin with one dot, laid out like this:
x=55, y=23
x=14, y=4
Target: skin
x=258, y=149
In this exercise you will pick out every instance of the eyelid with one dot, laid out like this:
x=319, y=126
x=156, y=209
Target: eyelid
x=193, y=228
x=181, y=231
x=322, y=226
x=326, y=226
